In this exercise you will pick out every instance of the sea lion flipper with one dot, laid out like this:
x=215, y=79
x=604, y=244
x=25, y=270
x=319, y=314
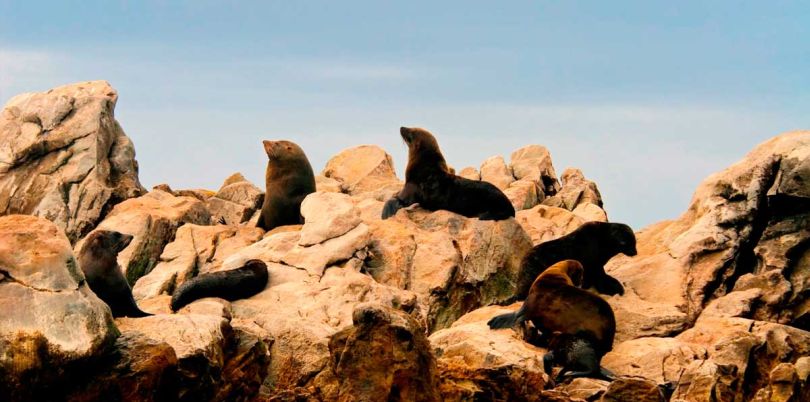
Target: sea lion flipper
x=609, y=285
x=404, y=198
x=507, y=320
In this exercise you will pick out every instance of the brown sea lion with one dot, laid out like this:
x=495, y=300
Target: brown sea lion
x=429, y=182
x=288, y=180
x=98, y=260
x=592, y=244
x=577, y=356
x=234, y=284
x=555, y=304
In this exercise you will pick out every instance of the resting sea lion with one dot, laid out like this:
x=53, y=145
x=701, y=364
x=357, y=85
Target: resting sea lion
x=592, y=244
x=288, y=180
x=555, y=304
x=233, y=284
x=428, y=181
x=98, y=260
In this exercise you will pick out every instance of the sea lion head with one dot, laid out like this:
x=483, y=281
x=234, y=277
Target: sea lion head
x=422, y=148
x=624, y=239
x=568, y=272
x=108, y=240
x=285, y=156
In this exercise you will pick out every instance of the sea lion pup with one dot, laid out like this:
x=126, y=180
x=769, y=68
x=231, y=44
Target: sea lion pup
x=234, y=284
x=555, y=304
x=98, y=260
x=288, y=179
x=576, y=355
x=428, y=181
x=592, y=244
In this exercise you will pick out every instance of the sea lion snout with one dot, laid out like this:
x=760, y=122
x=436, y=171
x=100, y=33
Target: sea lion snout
x=406, y=134
x=124, y=240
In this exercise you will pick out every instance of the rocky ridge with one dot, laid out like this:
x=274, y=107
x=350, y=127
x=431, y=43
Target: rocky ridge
x=357, y=308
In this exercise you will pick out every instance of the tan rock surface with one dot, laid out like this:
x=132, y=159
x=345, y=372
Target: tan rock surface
x=362, y=169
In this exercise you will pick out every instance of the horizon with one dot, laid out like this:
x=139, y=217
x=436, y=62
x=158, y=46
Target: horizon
x=646, y=100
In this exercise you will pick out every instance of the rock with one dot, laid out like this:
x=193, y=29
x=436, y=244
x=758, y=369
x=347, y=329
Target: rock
x=196, y=249
x=362, y=169
x=638, y=318
x=64, y=157
x=326, y=184
x=575, y=191
x=470, y=173
x=533, y=162
x=633, y=389
x=744, y=229
x=522, y=194
x=453, y=263
x=326, y=216
x=384, y=355
x=585, y=388
x=63, y=325
x=494, y=170
x=590, y=212
x=543, y=223
x=302, y=313
x=198, y=193
x=476, y=362
x=236, y=201
x=317, y=257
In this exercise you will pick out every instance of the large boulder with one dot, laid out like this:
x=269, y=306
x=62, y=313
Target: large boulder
x=533, y=162
x=64, y=157
x=52, y=323
x=455, y=264
x=576, y=191
x=362, y=169
x=495, y=171
x=236, y=201
x=153, y=220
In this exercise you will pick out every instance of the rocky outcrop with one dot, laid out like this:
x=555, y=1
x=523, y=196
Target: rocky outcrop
x=52, y=323
x=64, y=157
x=361, y=169
x=235, y=202
x=576, y=192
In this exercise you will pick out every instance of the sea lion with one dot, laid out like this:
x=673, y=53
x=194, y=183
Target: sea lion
x=98, y=260
x=429, y=182
x=555, y=304
x=577, y=356
x=288, y=179
x=592, y=244
x=234, y=284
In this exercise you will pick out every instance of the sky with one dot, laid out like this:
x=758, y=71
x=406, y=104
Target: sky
x=646, y=98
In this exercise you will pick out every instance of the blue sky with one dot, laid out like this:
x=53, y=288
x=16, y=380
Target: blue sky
x=647, y=99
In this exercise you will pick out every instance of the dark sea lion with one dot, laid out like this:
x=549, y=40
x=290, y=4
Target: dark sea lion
x=98, y=260
x=429, y=182
x=288, y=179
x=592, y=244
x=577, y=356
x=554, y=304
x=234, y=284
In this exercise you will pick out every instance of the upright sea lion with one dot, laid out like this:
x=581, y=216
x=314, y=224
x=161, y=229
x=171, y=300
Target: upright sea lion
x=555, y=304
x=592, y=244
x=233, y=284
x=98, y=260
x=429, y=182
x=288, y=180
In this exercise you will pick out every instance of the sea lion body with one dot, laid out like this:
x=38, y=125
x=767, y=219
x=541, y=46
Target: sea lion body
x=577, y=356
x=554, y=304
x=429, y=182
x=231, y=285
x=98, y=259
x=288, y=180
x=593, y=244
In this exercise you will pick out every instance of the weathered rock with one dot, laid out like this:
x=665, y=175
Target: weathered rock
x=362, y=169
x=522, y=194
x=64, y=157
x=495, y=171
x=543, y=223
x=470, y=172
x=383, y=356
x=746, y=228
x=476, y=362
x=326, y=216
x=236, y=201
x=326, y=184
x=575, y=191
x=585, y=388
x=453, y=263
x=196, y=249
x=153, y=220
x=533, y=162
x=633, y=389
x=61, y=326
